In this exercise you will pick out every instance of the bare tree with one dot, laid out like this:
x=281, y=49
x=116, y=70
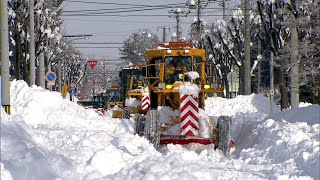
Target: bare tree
x=134, y=47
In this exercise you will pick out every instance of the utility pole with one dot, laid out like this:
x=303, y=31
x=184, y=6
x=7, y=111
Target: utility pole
x=5, y=86
x=224, y=10
x=48, y=60
x=294, y=72
x=59, y=75
x=247, y=58
x=41, y=68
x=178, y=12
x=272, y=48
x=198, y=16
x=199, y=6
x=64, y=72
x=259, y=64
x=32, y=47
x=164, y=34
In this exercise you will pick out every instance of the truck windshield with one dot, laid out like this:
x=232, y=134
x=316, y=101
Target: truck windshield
x=175, y=65
x=114, y=95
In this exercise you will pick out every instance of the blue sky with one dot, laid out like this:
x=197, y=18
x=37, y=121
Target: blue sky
x=116, y=29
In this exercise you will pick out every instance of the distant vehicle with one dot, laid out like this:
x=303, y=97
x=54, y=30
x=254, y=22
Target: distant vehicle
x=87, y=103
x=131, y=84
x=96, y=102
x=113, y=97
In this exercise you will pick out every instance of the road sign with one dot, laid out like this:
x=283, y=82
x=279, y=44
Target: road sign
x=92, y=63
x=234, y=87
x=51, y=76
x=233, y=77
x=50, y=83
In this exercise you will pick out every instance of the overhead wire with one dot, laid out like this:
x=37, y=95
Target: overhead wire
x=101, y=12
x=125, y=11
x=118, y=4
x=124, y=8
x=128, y=8
x=99, y=20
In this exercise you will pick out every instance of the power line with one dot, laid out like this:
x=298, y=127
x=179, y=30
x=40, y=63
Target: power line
x=150, y=8
x=124, y=11
x=155, y=22
x=124, y=8
x=118, y=4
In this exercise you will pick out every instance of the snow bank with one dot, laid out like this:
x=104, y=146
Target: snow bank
x=292, y=147
x=23, y=157
x=48, y=137
x=5, y=174
x=290, y=139
x=287, y=141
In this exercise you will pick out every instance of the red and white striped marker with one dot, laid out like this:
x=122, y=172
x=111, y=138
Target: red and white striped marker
x=145, y=100
x=145, y=104
x=189, y=115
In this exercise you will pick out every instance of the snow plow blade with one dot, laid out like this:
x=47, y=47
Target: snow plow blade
x=171, y=139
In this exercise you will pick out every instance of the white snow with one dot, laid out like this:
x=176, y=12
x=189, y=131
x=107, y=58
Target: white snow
x=5, y=174
x=132, y=102
x=48, y=137
x=189, y=88
x=193, y=75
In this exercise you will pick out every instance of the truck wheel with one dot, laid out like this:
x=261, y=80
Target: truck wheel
x=140, y=125
x=152, y=128
x=126, y=113
x=224, y=130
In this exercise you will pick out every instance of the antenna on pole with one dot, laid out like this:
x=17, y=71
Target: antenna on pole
x=176, y=14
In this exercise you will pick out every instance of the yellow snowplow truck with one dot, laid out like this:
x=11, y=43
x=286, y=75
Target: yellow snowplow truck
x=114, y=101
x=177, y=76
x=131, y=86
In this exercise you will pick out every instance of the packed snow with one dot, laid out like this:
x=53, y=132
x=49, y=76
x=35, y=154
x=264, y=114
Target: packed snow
x=48, y=137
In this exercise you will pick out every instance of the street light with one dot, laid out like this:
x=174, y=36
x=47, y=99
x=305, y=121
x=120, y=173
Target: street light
x=76, y=37
x=79, y=38
x=79, y=35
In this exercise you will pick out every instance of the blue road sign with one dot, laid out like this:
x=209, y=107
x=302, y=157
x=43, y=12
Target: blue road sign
x=51, y=76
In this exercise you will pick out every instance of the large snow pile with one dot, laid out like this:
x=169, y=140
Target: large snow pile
x=48, y=137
